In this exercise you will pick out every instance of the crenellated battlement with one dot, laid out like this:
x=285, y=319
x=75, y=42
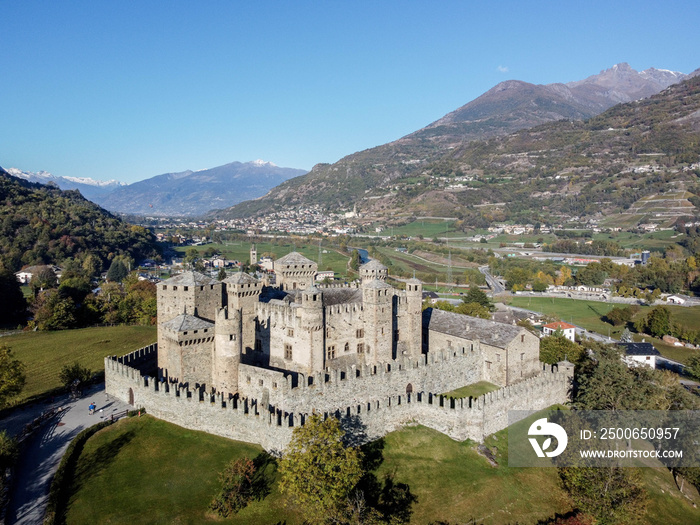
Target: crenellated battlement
x=270, y=424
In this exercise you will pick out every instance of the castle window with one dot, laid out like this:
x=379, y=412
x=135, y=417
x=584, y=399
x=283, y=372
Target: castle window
x=360, y=348
x=331, y=352
x=449, y=344
x=248, y=380
x=184, y=333
x=260, y=382
x=498, y=357
x=165, y=287
x=522, y=357
x=231, y=337
x=174, y=287
x=290, y=332
x=185, y=288
x=360, y=333
x=288, y=351
x=488, y=365
x=347, y=347
x=196, y=331
x=522, y=338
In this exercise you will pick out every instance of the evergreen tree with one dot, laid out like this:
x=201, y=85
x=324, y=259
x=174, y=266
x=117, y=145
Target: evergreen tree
x=117, y=271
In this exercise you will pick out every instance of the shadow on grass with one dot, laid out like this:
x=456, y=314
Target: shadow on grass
x=261, y=484
x=393, y=500
x=95, y=462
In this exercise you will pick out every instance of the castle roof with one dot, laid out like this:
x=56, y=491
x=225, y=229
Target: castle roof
x=335, y=296
x=293, y=258
x=473, y=328
x=240, y=278
x=185, y=322
x=190, y=279
x=414, y=281
x=373, y=264
x=376, y=284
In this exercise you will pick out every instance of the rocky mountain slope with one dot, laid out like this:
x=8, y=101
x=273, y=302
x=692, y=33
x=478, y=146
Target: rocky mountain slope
x=508, y=107
x=196, y=192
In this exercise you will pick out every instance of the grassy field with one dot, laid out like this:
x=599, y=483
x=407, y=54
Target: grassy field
x=45, y=353
x=147, y=471
x=474, y=390
x=587, y=314
x=428, y=228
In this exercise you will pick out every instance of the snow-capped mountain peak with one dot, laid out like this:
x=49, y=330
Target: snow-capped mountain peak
x=260, y=162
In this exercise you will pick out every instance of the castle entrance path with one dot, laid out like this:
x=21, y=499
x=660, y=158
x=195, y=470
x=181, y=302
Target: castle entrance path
x=43, y=450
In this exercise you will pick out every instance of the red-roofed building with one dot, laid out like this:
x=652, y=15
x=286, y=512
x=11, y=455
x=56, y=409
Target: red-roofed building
x=568, y=329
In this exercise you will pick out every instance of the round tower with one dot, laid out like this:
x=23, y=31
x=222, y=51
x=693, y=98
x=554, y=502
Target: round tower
x=313, y=327
x=413, y=318
x=227, y=350
x=242, y=294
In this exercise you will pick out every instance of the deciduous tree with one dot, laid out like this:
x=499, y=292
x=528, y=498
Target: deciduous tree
x=317, y=470
x=12, y=376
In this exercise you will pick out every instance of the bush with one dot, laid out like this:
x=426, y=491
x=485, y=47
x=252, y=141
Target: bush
x=237, y=487
x=70, y=373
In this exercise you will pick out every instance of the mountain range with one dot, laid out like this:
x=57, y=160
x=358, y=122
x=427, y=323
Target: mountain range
x=364, y=177
x=187, y=193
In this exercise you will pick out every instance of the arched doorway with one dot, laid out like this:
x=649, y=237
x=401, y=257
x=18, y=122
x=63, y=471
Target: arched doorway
x=409, y=388
x=131, y=397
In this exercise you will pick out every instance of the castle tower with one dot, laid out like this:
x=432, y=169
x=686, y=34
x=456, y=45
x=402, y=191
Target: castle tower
x=312, y=325
x=185, y=347
x=242, y=294
x=411, y=329
x=192, y=291
x=377, y=301
x=295, y=272
x=253, y=254
x=227, y=350
x=373, y=270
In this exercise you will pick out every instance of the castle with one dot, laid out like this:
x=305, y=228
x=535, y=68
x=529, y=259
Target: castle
x=269, y=356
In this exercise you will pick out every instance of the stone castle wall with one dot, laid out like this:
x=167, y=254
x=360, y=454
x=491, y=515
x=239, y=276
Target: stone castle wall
x=366, y=417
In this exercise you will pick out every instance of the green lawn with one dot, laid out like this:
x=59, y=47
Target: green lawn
x=473, y=390
x=45, y=353
x=143, y=470
x=587, y=314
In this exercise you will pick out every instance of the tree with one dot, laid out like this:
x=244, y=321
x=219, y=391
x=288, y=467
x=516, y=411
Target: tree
x=237, y=487
x=317, y=470
x=12, y=376
x=355, y=260
x=75, y=372
x=476, y=295
x=117, y=271
x=221, y=275
x=692, y=367
x=473, y=310
x=657, y=322
x=13, y=306
x=554, y=349
x=611, y=495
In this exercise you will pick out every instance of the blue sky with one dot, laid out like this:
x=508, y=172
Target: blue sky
x=127, y=90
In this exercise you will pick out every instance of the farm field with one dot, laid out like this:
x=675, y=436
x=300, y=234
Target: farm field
x=587, y=314
x=143, y=463
x=45, y=353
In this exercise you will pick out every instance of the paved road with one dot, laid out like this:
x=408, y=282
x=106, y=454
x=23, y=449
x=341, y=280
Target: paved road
x=43, y=450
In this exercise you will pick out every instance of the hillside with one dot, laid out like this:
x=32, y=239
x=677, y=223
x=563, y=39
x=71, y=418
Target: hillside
x=41, y=224
x=197, y=192
x=369, y=175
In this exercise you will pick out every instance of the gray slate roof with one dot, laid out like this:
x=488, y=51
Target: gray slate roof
x=376, y=284
x=374, y=264
x=335, y=296
x=186, y=322
x=190, y=279
x=294, y=258
x=240, y=278
x=639, y=348
x=458, y=325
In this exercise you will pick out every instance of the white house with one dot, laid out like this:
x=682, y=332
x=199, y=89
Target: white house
x=568, y=329
x=639, y=354
x=675, y=299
